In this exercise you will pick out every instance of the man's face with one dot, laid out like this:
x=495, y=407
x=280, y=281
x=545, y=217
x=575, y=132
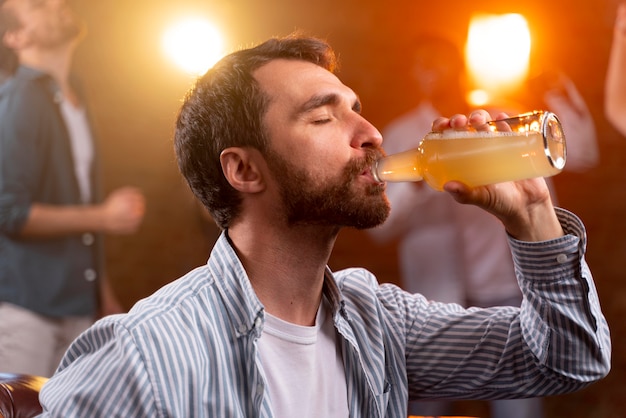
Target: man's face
x=321, y=148
x=46, y=23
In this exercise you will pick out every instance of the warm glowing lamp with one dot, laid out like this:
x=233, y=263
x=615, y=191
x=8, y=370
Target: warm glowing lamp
x=497, y=54
x=193, y=44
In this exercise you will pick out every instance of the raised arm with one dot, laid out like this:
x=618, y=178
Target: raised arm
x=615, y=84
x=524, y=207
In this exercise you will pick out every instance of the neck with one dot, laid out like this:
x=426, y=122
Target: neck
x=56, y=63
x=286, y=266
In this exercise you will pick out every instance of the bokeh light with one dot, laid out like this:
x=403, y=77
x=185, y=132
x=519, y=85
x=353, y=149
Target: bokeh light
x=498, y=52
x=193, y=44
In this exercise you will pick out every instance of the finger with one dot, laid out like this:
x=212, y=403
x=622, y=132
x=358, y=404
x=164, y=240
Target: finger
x=501, y=123
x=479, y=118
x=459, y=122
x=459, y=191
x=440, y=124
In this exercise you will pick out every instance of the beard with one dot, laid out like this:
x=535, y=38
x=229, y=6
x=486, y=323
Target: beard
x=67, y=27
x=336, y=202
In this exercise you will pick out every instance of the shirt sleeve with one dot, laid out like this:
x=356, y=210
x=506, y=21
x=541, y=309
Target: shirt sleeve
x=100, y=360
x=558, y=341
x=561, y=317
x=21, y=155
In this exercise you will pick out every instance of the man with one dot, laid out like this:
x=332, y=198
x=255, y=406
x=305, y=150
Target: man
x=50, y=217
x=274, y=145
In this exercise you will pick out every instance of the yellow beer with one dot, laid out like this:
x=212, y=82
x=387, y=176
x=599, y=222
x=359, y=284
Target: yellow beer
x=479, y=158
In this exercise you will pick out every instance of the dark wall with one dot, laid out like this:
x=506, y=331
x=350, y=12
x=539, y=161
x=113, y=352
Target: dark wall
x=135, y=94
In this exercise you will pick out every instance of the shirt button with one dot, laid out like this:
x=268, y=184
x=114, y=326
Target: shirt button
x=242, y=328
x=257, y=322
x=88, y=239
x=90, y=275
x=561, y=258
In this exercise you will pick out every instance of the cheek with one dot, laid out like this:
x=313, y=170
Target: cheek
x=318, y=152
x=326, y=162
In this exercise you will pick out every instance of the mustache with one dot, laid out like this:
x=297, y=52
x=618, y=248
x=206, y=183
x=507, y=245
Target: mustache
x=359, y=165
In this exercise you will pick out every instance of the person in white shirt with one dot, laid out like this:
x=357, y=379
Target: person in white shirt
x=458, y=253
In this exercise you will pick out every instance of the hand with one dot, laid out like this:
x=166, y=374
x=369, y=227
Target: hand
x=580, y=131
x=123, y=211
x=524, y=207
x=563, y=95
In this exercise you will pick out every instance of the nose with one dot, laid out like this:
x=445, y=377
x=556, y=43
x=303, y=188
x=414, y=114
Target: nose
x=366, y=135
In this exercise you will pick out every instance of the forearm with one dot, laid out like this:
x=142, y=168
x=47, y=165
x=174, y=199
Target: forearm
x=51, y=221
x=561, y=319
x=615, y=87
x=557, y=342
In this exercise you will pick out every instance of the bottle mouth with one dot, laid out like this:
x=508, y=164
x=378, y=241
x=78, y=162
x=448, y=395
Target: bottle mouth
x=553, y=140
x=374, y=171
x=548, y=124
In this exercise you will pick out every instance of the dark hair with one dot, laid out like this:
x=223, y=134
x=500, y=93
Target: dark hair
x=225, y=109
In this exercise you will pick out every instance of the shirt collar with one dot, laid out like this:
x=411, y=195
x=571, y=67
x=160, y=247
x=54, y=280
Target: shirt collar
x=246, y=310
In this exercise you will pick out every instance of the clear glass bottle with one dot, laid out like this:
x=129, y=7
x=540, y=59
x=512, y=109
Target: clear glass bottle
x=521, y=147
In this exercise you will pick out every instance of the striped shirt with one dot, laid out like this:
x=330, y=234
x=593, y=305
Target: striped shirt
x=190, y=349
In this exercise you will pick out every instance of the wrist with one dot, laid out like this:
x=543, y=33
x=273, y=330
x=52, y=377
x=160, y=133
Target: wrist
x=540, y=223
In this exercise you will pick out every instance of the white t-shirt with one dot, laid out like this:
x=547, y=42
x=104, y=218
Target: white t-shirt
x=82, y=145
x=303, y=368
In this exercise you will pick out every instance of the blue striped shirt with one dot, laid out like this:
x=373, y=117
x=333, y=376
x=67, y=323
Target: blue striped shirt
x=190, y=350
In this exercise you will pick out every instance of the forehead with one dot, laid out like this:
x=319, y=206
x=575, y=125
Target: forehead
x=293, y=81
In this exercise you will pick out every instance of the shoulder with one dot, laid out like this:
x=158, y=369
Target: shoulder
x=169, y=323
x=361, y=289
x=27, y=80
x=27, y=91
x=167, y=304
x=355, y=279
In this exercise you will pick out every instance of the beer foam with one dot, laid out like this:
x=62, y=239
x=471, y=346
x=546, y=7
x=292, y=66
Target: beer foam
x=452, y=134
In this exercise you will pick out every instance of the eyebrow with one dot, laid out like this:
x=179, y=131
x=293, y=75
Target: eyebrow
x=321, y=100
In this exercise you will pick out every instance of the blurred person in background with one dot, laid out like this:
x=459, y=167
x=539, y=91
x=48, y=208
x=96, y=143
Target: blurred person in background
x=52, y=280
x=459, y=253
x=615, y=84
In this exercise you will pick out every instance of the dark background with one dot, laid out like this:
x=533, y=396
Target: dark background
x=135, y=94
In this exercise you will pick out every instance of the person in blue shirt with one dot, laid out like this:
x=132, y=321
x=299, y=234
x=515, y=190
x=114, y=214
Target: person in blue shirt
x=275, y=146
x=52, y=280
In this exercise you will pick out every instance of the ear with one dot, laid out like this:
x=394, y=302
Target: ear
x=241, y=167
